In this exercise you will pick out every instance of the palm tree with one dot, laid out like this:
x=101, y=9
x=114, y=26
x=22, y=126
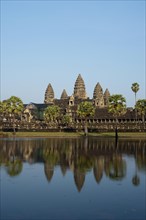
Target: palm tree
x=141, y=108
x=85, y=109
x=66, y=119
x=117, y=167
x=51, y=113
x=135, y=88
x=3, y=109
x=2, y=112
x=117, y=106
x=14, y=108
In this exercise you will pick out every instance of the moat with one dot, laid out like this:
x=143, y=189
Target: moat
x=72, y=179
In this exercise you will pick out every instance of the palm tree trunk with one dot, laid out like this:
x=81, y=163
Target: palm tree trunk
x=135, y=109
x=135, y=98
x=85, y=127
x=14, y=130
x=116, y=133
x=116, y=130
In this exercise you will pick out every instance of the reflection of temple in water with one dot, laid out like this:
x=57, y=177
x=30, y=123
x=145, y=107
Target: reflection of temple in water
x=49, y=171
x=98, y=168
x=80, y=155
x=79, y=178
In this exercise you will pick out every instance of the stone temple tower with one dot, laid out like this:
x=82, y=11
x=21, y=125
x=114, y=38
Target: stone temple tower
x=106, y=97
x=64, y=95
x=98, y=96
x=79, y=88
x=49, y=95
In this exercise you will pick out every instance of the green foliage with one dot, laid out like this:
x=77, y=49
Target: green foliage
x=85, y=109
x=51, y=113
x=141, y=107
x=66, y=119
x=135, y=87
x=117, y=168
x=15, y=105
x=117, y=105
x=11, y=107
x=4, y=108
x=84, y=163
x=14, y=168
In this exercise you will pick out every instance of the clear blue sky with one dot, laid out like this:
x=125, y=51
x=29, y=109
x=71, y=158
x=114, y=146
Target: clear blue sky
x=46, y=42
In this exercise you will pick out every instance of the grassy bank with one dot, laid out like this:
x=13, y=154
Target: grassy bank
x=73, y=134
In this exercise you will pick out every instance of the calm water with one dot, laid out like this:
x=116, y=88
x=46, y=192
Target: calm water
x=77, y=179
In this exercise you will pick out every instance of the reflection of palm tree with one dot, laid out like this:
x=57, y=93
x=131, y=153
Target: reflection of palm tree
x=79, y=178
x=14, y=168
x=141, y=161
x=51, y=157
x=117, y=169
x=49, y=171
x=136, y=178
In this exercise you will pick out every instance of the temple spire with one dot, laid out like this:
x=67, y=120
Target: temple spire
x=79, y=88
x=98, y=95
x=106, y=97
x=49, y=94
x=64, y=94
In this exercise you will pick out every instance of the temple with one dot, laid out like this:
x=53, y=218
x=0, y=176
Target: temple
x=100, y=98
x=33, y=116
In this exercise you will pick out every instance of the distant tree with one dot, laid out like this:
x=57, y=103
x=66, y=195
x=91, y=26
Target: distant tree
x=85, y=110
x=51, y=113
x=3, y=108
x=117, y=106
x=135, y=88
x=141, y=108
x=66, y=119
x=14, y=108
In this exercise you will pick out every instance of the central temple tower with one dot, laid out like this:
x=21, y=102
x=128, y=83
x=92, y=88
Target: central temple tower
x=79, y=88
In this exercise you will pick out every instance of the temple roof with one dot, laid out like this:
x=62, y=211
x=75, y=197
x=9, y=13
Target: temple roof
x=79, y=88
x=64, y=94
x=106, y=93
x=98, y=91
x=49, y=94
